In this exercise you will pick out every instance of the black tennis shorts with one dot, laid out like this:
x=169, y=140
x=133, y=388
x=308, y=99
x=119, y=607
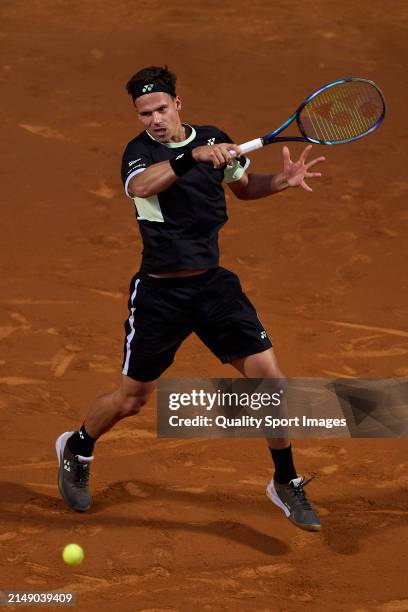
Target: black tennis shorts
x=164, y=311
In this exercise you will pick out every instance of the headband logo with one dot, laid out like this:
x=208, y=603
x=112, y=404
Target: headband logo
x=148, y=87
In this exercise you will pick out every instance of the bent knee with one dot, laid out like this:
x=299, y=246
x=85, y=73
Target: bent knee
x=132, y=404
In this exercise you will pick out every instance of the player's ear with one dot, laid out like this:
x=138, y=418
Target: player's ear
x=178, y=103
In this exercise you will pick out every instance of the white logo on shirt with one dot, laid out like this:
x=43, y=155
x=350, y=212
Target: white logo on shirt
x=134, y=161
x=211, y=141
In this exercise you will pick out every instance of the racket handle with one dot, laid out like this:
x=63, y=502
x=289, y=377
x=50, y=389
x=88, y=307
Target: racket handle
x=251, y=145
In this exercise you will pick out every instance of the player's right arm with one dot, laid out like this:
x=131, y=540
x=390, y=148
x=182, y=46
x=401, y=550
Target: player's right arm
x=156, y=178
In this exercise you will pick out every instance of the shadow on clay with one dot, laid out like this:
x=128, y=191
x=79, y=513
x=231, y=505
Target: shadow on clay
x=346, y=523
x=37, y=508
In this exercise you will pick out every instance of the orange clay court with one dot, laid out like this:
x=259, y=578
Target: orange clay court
x=181, y=525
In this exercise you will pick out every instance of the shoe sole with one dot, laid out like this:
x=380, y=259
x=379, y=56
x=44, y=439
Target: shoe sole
x=275, y=499
x=59, y=448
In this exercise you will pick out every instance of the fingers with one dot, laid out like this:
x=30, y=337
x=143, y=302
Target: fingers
x=297, y=172
x=305, y=153
x=302, y=158
x=221, y=154
x=313, y=162
x=286, y=155
x=219, y=158
x=305, y=186
x=234, y=147
x=218, y=155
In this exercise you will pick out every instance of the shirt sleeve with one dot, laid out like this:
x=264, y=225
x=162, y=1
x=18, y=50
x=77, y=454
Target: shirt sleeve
x=235, y=171
x=135, y=160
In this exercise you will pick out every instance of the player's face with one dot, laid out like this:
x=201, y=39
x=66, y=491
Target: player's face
x=159, y=113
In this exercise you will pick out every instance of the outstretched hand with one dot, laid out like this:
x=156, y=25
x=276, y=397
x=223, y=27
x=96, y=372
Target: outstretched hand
x=295, y=173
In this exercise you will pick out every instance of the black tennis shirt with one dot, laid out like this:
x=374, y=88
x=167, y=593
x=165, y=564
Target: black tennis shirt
x=179, y=226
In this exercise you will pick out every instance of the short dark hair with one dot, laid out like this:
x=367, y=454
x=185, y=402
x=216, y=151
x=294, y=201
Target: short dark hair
x=154, y=74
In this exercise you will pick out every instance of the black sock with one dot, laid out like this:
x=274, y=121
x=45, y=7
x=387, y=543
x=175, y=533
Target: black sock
x=80, y=443
x=284, y=468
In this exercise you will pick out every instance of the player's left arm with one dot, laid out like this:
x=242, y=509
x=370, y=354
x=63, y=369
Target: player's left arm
x=252, y=186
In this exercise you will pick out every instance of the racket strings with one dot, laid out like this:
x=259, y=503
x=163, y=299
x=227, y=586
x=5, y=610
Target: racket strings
x=342, y=112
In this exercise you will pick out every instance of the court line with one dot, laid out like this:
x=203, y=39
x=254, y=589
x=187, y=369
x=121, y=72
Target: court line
x=385, y=330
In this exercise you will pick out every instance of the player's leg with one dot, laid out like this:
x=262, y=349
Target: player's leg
x=285, y=488
x=153, y=332
x=230, y=327
x=127, y=400
x=75, y=449
x=265, y=365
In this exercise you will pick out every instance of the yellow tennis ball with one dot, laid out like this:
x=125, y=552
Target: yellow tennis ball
x=72, y=554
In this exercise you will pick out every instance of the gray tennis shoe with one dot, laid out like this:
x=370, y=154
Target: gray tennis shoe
x=292, y=499
x=73, y=475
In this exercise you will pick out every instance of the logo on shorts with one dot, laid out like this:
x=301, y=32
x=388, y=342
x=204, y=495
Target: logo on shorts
x=263, y=335
x=147, y=87
x=211, y=141
x=66, y=465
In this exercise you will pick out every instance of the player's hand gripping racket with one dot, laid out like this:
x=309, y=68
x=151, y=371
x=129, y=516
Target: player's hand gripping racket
x=339, y=112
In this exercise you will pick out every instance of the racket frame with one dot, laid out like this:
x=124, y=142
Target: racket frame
x=272, y=137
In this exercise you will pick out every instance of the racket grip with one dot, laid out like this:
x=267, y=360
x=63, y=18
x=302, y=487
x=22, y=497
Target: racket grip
x=251, y=145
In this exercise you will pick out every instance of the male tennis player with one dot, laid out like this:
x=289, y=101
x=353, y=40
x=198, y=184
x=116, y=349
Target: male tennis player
x=174, y=172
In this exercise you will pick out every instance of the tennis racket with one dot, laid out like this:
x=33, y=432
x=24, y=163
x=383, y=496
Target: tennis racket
x=339, y=112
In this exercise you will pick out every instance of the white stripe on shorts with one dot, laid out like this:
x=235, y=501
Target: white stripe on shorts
x=129, y=337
